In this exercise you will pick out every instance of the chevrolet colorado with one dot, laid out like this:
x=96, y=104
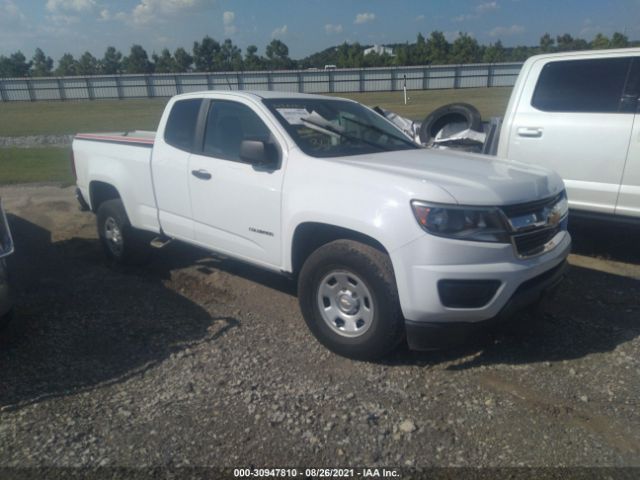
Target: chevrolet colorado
x=387, y=240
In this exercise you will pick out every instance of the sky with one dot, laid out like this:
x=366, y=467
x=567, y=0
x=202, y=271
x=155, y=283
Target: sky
x=306, y=26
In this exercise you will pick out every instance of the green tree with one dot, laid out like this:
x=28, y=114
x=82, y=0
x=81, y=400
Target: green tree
x=618, y=40
x=419, y=53
x=164, y=63
x=565, y=42
x=437, y=48
x=547, y=43
x=137, y=61
x=494, y=53
x=520, y=54
x=230, y=56
x=600, y=42
x=5, y=67
x=465, y=49
x=67, y=66
x=111, y=63
x=278, y=55
x=182, y=60
x=206, y=55
x=348, y=56
x=403, y=56
x=88, y=64
x=41, y=65
x=252, y=61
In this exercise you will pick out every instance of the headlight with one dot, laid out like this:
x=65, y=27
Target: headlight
x=6, y=242
x=463, y=223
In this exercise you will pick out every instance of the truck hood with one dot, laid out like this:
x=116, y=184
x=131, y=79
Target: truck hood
x=471, y=179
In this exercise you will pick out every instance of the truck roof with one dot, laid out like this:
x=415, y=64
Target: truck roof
x=253, y=94
x=614, y=52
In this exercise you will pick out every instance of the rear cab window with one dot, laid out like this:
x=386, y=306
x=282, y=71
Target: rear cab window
x=181, y=125
x=589, y=86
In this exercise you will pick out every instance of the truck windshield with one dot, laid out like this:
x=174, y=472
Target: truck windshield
x=333, y=128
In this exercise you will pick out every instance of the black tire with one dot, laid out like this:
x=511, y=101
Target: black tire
x=133, y=247
x=371, y=266
x=450, y=113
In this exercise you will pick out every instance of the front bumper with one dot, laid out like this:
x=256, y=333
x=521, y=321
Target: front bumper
x=421, y=265
x=424, y=265
x=440, y=335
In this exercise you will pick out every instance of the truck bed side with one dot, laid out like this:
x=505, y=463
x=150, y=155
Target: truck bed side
x=121, y=161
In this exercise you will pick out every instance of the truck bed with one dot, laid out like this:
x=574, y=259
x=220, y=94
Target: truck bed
x=99, y=157
x=142, y=138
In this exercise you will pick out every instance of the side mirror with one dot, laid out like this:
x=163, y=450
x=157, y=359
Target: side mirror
x=258, y=153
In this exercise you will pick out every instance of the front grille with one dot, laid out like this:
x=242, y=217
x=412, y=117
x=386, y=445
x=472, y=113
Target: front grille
x=530, y=207
x=532, y=243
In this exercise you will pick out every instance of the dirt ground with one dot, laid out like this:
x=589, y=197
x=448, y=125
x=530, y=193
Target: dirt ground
x=200, y=360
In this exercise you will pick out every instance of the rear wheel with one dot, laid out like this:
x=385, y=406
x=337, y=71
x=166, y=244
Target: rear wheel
x=122, y=244
x=349, y=300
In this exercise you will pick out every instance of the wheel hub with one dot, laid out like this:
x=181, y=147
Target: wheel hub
x=347, y=302
x=113, y=235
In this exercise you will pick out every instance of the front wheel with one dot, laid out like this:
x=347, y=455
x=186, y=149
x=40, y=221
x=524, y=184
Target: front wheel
x=349, y=300
x=122, y=244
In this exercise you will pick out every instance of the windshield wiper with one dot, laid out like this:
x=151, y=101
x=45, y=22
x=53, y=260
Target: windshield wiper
x=384, y=132
x=335, y=131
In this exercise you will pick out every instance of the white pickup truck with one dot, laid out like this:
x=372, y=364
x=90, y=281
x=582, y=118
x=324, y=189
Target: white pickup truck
x=387, y=240
x=577, y=113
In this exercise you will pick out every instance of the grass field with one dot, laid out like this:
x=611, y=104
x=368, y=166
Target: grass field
x=41, y=118
x=20, y=165
x=52, y=118
x=31, y=165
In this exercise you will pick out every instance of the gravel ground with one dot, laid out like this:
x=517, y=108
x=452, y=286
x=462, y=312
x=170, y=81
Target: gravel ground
x=200, y=360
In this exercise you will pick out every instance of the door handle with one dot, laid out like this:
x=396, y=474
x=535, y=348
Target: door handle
x=201, y=174
x=531, y=132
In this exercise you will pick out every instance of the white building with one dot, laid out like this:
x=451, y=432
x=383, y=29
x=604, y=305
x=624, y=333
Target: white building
x=379, y=49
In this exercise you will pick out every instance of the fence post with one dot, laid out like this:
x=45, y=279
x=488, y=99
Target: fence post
x=425, y=78
x=490, y=73
x=209, y=82
x=149, y=86
x=89, y=88
x=119, y=88
x=300, y=83
x=32, y=96
x=332, y=87
x=269, y=81
x=240, y=80
x=3, y=92
x=456, y=76
x=361, y=78
x=61, y=93
x=176, y=79
x=393, y=80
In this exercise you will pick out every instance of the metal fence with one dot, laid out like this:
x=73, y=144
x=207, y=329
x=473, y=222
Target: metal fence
x=307, y=81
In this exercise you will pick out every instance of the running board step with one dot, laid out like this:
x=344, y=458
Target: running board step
x=160, y=242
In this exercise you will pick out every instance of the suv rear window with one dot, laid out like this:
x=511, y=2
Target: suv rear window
x=594, y=86
x=181, y=125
